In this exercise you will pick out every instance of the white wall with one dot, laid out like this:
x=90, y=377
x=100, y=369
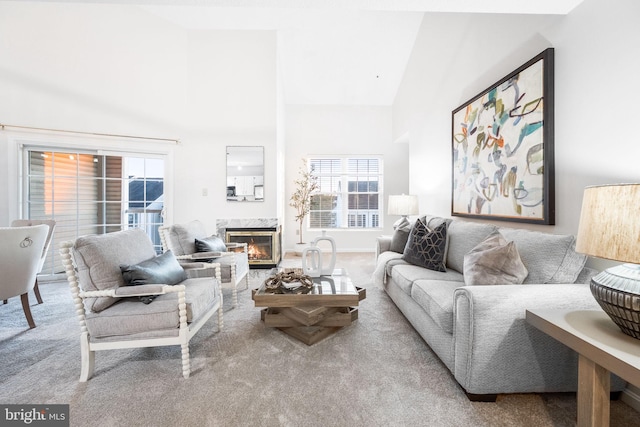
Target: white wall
x=326, y=130
x=118, y=69
x=231, y=97
x=456, y=56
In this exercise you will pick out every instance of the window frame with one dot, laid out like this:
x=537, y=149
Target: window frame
x=346, y=214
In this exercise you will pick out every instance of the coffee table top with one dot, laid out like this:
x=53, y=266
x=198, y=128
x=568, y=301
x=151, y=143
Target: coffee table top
x=336, y=290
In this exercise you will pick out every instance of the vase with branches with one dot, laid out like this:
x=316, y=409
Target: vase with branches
x=300, y=200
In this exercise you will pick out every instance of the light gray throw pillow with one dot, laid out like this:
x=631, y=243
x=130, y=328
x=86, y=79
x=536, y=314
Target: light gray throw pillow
x=494, y=261
x=399, y=240
x=550, y=258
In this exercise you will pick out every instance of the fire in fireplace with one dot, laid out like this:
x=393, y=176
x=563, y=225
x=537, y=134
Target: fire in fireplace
x=263, y=245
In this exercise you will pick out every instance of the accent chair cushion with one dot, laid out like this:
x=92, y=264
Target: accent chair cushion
x=182, y=237
x=494, y=262
x=98, y=259
x=426, y=247
x=210, y=244
x=162, y=318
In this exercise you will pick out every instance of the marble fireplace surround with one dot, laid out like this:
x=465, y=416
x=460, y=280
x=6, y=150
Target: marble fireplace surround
x=223, y=224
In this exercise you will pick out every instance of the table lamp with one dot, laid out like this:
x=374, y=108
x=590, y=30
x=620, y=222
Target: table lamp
x=610, y=228
x=403, y=205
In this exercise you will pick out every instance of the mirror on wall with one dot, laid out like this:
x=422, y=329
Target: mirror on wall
x=245, y=174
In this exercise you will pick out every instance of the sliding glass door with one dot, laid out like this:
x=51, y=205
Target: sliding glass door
x=89, y=193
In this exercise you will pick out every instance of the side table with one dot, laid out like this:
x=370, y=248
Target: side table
x=602, y=348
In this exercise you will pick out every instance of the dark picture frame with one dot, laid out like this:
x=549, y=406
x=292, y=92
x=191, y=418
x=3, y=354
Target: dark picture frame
x=503, y=148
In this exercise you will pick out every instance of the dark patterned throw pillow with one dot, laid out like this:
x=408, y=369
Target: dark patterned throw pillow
x=425, y=247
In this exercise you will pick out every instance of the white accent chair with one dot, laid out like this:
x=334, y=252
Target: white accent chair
x=20, y=254
x=234, y=266
x=111, y=314
x=52, y=226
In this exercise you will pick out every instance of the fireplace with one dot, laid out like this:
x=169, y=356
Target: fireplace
x=263, y=245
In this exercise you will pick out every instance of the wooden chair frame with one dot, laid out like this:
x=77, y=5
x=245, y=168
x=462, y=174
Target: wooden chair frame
x=186, y=330
x=191, y=261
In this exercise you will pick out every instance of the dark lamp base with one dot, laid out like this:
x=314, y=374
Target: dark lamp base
x=617, y=290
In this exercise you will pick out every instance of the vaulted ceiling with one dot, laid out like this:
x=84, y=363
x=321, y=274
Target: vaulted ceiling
x=334, y=52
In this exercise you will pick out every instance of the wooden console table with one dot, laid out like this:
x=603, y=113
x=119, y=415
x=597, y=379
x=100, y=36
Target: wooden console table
x=602, y=349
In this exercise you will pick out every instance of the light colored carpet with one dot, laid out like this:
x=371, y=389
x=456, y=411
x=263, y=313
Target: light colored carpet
x=376, y=372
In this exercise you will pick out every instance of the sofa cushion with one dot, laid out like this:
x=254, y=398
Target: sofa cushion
x=426, y=247
x=550, y=258
x=494, y=261
x=433, y=221
x=210, y=244
x=393, y=262
x=98, y=259
x=464, y=236
x=404, y=275
x=436, y=298
x=128, y=316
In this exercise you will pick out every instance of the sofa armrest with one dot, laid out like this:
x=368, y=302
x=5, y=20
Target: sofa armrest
x=383, y=244
x=496, y=351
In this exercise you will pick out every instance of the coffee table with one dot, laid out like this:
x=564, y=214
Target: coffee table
x=311, y=317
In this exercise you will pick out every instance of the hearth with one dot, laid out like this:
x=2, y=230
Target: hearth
x=263, y=245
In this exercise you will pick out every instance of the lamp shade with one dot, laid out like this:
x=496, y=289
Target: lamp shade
x=403, y=205
x=610, y=222
x=610, y=228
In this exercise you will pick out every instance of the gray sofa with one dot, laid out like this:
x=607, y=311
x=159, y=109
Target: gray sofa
x=479, y=332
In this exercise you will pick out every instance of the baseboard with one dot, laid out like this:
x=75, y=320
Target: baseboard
x=631, y=396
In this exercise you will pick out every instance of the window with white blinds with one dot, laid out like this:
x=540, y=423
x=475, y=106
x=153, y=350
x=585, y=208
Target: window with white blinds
x=348, y=194
x=88, y=193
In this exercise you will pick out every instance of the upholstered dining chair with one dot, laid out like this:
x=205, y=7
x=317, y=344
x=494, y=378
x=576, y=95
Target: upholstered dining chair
x=47, y=243
x=126, y=296
x=192, y=246
x=20, y=254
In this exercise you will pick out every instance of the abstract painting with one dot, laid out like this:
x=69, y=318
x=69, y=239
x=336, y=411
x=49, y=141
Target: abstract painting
x=502, y=141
